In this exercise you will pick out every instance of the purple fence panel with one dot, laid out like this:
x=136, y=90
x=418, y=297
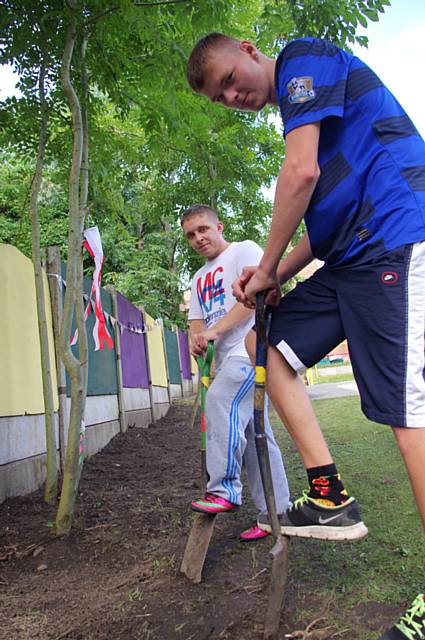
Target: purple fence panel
x=184, y=355
x=133, y=352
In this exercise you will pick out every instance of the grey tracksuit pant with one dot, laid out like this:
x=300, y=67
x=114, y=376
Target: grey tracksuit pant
x=231, y=438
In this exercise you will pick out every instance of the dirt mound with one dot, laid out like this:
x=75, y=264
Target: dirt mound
x=117, y=575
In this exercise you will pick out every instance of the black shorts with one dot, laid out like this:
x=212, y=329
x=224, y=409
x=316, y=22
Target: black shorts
x=380, y=308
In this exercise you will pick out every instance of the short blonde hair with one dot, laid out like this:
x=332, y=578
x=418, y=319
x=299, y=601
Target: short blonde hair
x=199, y=209
x=198, y=59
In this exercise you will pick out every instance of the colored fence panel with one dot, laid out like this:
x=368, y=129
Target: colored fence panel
x=156, y=353
x=193, y=365
x=21, y=390
x=184, y=355
x=133, y=351
x=102, y=374
x=172, y=356
x=102, y=364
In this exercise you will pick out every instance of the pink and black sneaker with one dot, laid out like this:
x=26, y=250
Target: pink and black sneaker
x=255, y=532
x=213, y=504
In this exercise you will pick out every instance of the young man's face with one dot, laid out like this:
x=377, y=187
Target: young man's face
x=235, y=78
x=205, y=235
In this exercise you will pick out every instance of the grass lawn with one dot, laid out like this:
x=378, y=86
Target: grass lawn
x=338, y=377
x=387, y=567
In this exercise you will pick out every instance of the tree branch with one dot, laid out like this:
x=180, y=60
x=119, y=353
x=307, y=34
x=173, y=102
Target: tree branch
x=136, y=4
x=74, y=239
x=115, y=77
x=151, y=4
x=72, y=467
x=84, y=186
x=51, y=485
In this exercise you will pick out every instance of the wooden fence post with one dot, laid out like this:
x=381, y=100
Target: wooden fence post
x=180, y=362
x=175, y=331
x=148, y=365
x=117, y=333
x=167, y=370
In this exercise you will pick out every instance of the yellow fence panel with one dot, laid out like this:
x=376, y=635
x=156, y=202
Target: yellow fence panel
x=311, y=375
x=193, y=365
x=21, y=390
x=157, y=364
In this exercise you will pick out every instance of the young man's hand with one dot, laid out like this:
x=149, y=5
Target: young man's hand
x=238, y=286
x=251, y=281
x=200, y=341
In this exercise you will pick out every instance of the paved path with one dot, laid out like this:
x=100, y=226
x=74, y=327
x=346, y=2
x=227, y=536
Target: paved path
x=332, y=390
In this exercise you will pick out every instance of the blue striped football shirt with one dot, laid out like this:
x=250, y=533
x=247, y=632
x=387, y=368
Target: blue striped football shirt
x=370, y=197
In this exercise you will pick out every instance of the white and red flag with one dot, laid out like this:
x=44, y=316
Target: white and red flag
x=93, y=244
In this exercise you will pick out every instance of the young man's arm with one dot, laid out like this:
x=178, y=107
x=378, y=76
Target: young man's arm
x=297, y=259
x=196, y=327
x=200, y=335
x=295, y=186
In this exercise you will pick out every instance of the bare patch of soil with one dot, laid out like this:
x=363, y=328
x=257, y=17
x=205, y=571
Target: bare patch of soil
x=117, y=575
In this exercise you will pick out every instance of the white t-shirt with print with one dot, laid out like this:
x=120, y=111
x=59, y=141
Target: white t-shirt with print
x=211, y=295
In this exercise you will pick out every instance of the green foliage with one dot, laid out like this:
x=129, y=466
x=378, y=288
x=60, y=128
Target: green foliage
x=15, y=226
x=334, y=20
x=155, y=148
x=147, y=278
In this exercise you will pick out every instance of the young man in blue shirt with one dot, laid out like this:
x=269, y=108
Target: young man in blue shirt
x=354, y=169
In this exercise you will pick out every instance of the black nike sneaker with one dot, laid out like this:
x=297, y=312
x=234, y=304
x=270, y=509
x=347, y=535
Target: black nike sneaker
x=307, y=518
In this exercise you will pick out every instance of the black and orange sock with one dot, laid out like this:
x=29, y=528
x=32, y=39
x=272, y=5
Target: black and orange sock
x=326, y=486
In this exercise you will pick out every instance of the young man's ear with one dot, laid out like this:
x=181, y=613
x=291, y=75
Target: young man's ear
x=247, y=47
x=220, y=226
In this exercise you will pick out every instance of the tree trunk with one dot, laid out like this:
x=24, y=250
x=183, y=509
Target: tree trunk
x=51, y=484
x=84, y=187
x=76, y=368
x=212, y=170
x=53, y=264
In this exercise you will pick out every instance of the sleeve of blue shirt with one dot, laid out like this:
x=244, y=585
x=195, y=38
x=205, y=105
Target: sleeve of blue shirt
x=311, y=79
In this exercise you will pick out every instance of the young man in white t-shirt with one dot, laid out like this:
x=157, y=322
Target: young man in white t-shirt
x=215, y=315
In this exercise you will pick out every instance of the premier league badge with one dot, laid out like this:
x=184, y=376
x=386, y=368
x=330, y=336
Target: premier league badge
x=301, y=90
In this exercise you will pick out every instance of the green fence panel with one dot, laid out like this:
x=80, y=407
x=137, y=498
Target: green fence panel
x=102, y=374
x=172, y=356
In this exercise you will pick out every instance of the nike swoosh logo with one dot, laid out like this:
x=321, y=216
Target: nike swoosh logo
x=326, y=520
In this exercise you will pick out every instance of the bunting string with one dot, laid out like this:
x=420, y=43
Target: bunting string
x=129, y=326
x=93, y=244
